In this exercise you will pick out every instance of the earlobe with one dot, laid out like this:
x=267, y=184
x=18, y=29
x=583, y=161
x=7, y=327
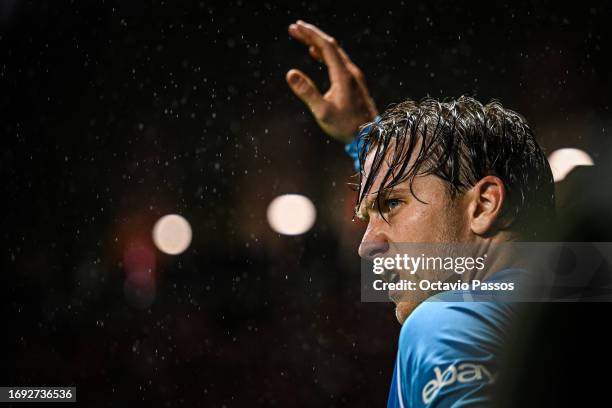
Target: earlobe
x=488, y=197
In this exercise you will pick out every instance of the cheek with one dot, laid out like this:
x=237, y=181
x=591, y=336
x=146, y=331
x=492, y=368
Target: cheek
x=418, y=222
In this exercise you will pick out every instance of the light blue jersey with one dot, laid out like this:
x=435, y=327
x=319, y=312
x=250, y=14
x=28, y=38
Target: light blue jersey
x=447, y=354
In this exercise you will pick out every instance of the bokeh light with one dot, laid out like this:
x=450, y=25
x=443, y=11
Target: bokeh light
x=562, y=161
x=291, y=214
x=172, y=234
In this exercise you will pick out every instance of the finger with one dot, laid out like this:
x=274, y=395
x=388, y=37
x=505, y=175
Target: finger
x=326, y=45
x=345, y=57
x=299, y=35
x=306, y=90
x=348, y=64
x=351, y=67
x=314, y=53
x=312, y=50
x=295, y=33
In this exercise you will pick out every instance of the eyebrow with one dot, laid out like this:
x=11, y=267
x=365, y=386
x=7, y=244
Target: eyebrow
x=371, y=199
x=368, y=201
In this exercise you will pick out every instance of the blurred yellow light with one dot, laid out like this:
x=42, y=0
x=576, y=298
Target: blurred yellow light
x=172, y=234
x=291, y=214
x=562, y=161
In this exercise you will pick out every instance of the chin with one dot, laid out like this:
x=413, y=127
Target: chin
x=403, y=310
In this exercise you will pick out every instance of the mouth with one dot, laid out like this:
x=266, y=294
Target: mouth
x=392, y=276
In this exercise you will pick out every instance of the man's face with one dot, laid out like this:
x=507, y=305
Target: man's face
x=436, y=218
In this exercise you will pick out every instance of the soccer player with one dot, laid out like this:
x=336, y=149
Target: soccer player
x=456, y=171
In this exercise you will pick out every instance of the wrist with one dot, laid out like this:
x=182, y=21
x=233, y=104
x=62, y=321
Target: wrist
x=353, y=147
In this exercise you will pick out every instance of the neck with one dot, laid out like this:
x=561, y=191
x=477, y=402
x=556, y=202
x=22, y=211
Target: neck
x=498, y=255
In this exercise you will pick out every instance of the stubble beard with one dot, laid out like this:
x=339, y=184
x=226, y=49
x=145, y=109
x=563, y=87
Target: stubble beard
x=449, y=231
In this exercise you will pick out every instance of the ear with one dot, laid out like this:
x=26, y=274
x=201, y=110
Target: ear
x=487, y=198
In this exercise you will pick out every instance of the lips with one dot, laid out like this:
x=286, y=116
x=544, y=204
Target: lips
x=391, y=276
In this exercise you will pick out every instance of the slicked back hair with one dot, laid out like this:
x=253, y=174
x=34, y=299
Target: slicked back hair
x=461, y=141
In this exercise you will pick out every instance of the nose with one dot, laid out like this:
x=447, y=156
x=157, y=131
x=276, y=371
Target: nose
x=372, y=248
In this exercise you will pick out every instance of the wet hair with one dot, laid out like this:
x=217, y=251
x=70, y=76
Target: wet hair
x=461, y=141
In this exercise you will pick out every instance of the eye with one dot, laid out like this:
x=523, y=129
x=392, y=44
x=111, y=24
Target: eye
x=392, y=203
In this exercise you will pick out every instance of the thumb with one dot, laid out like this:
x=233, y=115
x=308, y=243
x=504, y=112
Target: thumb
x=305, y=89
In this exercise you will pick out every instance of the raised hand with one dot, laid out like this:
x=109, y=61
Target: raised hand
x=347, y=103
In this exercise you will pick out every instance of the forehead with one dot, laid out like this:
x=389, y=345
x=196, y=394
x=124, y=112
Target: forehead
x=391, y=151
x=425, y=187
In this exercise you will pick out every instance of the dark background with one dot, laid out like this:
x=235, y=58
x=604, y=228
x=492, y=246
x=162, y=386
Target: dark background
x=116, y=113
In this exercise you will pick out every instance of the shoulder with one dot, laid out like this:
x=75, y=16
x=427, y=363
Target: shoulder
x=447, y=352
x=450, y=324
